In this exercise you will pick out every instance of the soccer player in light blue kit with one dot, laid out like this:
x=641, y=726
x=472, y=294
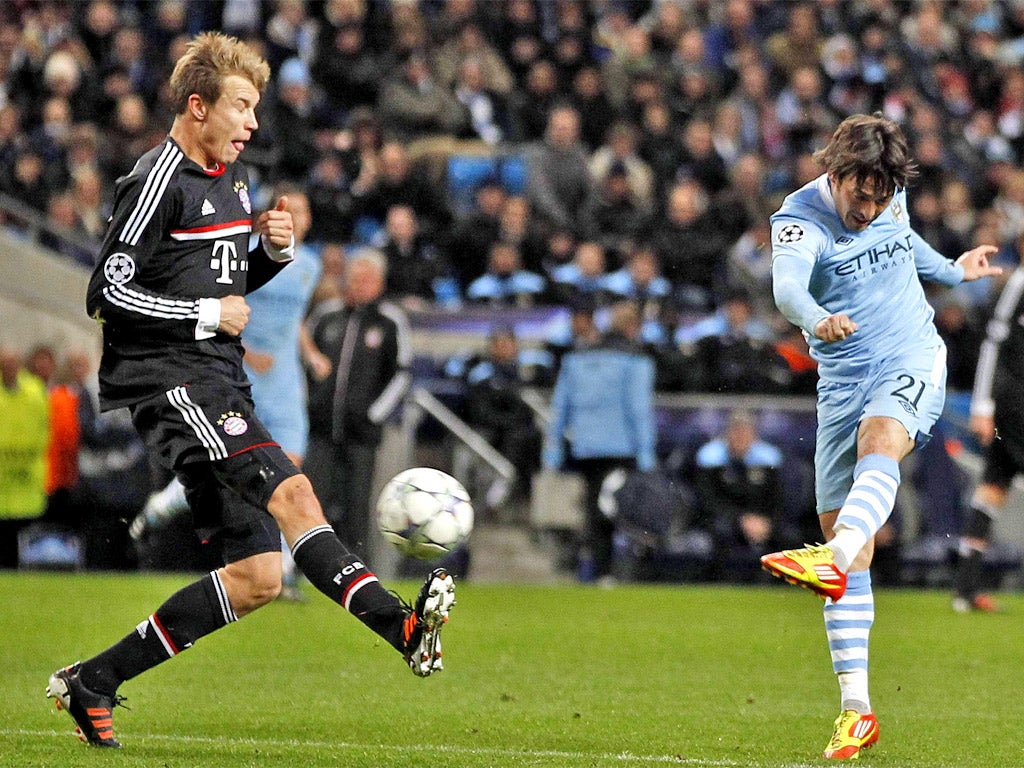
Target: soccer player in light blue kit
x=276, y=345
x=846, y=269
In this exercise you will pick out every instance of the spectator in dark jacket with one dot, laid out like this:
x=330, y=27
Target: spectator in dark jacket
x=394, y=182
x=368, y=343
x=474, y=233
x=416, y=267
x=495, y=405
x=559, y=186
x=506, y=283
x=349, y=72
x=739, y=356
x=294, y=121
x=739, y=495
x=691, y=246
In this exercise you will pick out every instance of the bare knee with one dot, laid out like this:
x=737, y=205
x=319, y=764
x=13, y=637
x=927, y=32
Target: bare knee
x=253, y=582
x=295, y=507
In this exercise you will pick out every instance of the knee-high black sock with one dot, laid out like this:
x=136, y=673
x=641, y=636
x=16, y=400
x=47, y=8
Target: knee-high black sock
x=190, y=613
x=978, y=528
x=967, y=580
x=344, y=578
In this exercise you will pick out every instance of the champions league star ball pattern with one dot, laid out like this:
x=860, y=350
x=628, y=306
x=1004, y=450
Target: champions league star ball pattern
x=424, y=513
x=791, y=233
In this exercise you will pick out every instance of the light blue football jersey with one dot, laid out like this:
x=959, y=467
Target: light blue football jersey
x=278, y=309
x=873, y=276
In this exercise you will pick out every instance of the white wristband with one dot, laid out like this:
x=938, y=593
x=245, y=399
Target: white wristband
x=278, y=254
x=209, y=319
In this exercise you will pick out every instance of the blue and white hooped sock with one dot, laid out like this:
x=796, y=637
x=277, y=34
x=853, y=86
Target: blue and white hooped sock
x=848, y=627
x=876, y=478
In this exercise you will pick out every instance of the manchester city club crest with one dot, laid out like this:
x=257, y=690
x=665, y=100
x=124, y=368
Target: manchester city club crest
x=243, y=196
x=897, y=211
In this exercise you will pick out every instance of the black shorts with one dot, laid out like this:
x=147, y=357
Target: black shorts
x=1004, y=457
x=209, y=436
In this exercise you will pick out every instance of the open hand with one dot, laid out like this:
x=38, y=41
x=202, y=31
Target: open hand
x=975, y=263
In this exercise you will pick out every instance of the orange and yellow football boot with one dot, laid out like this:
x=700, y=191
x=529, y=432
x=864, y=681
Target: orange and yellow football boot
x=853, y=732
x=812, y=567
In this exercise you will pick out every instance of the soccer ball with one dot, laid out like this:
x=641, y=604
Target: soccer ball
x=424, y=513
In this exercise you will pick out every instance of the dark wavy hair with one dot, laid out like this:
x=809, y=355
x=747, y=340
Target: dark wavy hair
x=869, y=147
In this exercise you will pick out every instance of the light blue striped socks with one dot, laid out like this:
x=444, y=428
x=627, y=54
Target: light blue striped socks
x=868, y=505
x=847, y=626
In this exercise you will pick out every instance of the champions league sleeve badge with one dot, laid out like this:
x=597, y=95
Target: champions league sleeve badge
x=791, y=233
x=119, y=268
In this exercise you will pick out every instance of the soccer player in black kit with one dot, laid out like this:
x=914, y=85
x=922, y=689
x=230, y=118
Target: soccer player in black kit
x=169, y=292
x=997, y=419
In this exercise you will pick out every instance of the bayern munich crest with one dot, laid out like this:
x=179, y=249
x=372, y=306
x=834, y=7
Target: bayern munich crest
x=119, y=268
x=233, y=424
x=243, y=196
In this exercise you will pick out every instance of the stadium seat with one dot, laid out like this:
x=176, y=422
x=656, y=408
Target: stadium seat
x=513, y=174
x=365, y=230
x=465, y=172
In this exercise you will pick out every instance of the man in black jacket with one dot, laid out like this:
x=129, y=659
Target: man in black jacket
x=367, y=341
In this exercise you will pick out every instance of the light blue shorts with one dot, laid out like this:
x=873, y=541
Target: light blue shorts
x=281, y=406
x=910, y=389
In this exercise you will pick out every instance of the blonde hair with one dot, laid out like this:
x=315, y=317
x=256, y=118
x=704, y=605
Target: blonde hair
x=208, y=59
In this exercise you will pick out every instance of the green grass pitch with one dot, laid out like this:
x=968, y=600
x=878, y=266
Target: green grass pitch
x=536, y=676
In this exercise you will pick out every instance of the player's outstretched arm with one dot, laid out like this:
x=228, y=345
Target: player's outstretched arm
x=976, y=265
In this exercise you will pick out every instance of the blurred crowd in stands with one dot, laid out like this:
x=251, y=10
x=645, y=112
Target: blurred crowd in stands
x=572, y=153
x=522, y=152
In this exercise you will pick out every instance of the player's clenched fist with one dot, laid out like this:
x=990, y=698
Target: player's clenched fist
x=276, y=224
x=835, y=328
x=234, y=315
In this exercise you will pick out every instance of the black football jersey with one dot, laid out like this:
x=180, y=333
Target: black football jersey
x=179, y=233
x=1000, y=371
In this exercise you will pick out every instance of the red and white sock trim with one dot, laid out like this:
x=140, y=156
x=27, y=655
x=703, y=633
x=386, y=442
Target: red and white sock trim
x=165, y=637
x=355, y=586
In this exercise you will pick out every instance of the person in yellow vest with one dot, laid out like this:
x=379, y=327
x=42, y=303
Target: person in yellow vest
x=24, y=434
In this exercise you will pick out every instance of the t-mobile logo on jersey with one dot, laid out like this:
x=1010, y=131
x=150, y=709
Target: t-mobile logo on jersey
x=225, y=260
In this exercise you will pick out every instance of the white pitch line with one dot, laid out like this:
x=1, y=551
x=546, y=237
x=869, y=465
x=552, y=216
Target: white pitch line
x=624, y=757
